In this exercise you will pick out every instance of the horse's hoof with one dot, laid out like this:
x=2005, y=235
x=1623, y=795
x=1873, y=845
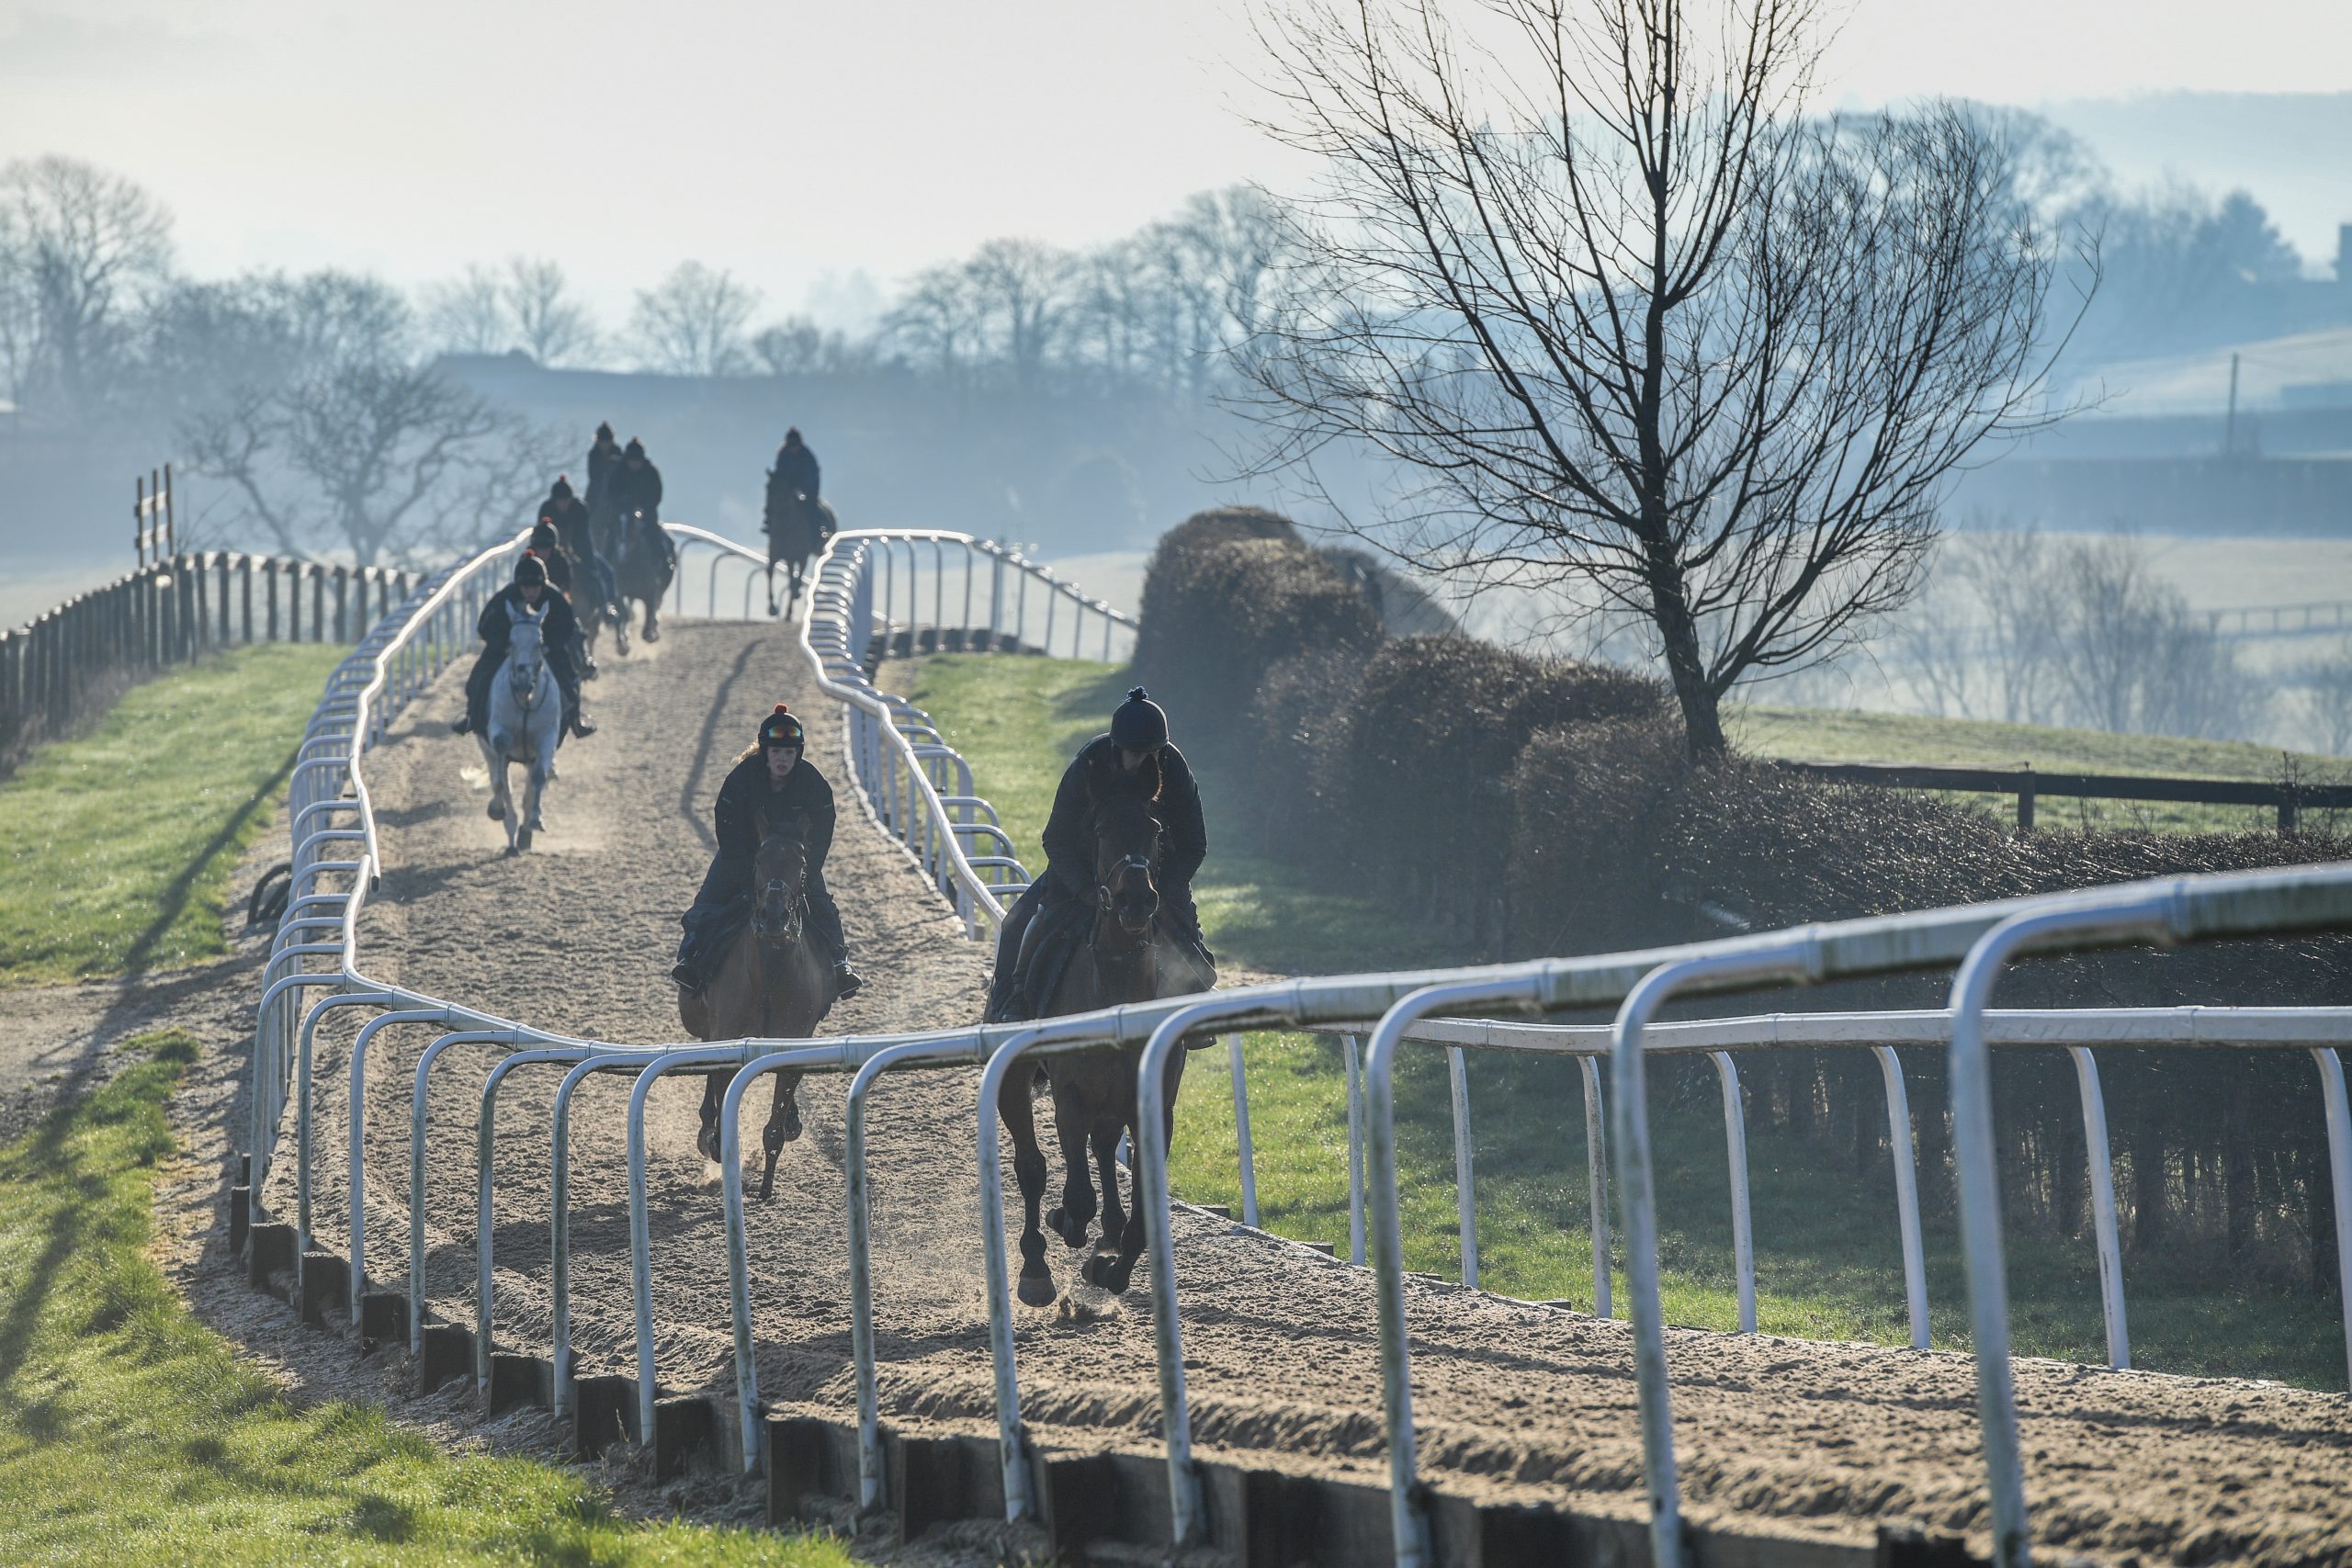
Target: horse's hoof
x=1071, y=1231
x=537, y=823
x=497, y=811
x=522, y=841
x=512, y=850
x=707, y=1142
x=1037, y=1289
x=1103, y=1270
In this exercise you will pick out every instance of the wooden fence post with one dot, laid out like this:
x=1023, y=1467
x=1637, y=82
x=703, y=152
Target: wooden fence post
x=318, y=603
x=2025, y=801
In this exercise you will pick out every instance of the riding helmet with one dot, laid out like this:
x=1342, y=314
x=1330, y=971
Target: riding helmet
x=530, y=569
x=561, y=489
x=634, y=449
x=781, y=729
x=1139, y=724
x=604, y=430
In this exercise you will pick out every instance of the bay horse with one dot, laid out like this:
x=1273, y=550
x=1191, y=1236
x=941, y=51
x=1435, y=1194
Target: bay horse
x=770, y=983
x=798, y=526
x=643, y=574
x=1133, y=953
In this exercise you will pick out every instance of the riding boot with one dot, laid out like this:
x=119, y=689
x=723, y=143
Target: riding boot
x=847, y=982
x=579, y=726
x=478, y=681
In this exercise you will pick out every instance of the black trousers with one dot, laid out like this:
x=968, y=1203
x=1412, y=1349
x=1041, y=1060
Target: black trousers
x=719, y=889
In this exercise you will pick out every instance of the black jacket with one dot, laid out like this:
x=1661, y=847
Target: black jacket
x=1070, y=831
x=557, y=630
x=795, y=472
x=745, y=798
x=570, y=526
x=639, y=491
x=603, y=463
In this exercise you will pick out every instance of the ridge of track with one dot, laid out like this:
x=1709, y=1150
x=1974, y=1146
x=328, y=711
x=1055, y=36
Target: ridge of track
x=1513, y=1402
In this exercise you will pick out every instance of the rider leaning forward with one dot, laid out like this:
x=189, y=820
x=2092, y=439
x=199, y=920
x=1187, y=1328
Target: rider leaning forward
x=774, y=782
x=1136, y=745
x=559, y=631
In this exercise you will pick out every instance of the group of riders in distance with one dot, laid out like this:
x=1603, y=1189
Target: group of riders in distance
x=1111, y=921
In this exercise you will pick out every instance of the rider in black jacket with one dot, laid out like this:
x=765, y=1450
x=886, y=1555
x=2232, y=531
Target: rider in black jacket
x=1137, y=740
x=559, y=631
x=773, y=781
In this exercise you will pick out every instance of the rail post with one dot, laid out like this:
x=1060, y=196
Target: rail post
x=2339, y=1175
x=1248, y=1155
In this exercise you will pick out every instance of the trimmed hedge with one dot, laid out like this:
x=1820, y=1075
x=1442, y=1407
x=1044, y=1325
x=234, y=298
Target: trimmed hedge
x=1219, y=617
x=1532, y=806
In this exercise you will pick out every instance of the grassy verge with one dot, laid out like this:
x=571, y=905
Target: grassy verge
x=1827, y=735
x=1019, y=721
x=115, y=848
x=128, y=1433
x=1828, y=1252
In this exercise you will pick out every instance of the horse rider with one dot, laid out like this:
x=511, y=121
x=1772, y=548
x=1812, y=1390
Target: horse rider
x=796, y=466
x=563, y=512
x=637, y=488
x=1135, y=746
x=558, y=631
x=603, y=459
x=771, y=781
x=569, y=576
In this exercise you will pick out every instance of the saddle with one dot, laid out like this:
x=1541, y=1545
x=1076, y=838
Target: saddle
x=1052, y=938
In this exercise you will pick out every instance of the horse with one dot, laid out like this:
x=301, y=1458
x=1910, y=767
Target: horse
x=798, y=526
x=644, y=573
x=770, y=985
x=595, y=600
x=526, y=726
x=1134, y=953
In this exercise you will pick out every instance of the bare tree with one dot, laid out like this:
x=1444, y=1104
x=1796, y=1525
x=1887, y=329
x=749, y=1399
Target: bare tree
x=693, y=323
x=80, y=251
x=1621, y=313
x=798, y=346
x=468, y=314
x=2327, y=699
x=546, y=322
x=936, y=321
x=1020, y=291
x=333, y=434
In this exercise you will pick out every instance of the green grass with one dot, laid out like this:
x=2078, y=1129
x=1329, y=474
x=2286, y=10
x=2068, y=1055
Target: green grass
x=115, y=848
x=129, y=1433
x=1828, y=1252
x=1019, y=721
x=1831, y=735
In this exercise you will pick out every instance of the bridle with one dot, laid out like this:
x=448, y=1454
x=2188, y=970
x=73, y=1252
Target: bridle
x=1132, y=944
x=522, y=674
x=794, y=895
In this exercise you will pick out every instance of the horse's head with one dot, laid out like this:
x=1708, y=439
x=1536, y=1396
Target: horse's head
x=1126, y=857
x=779, y=871
x=526, y=652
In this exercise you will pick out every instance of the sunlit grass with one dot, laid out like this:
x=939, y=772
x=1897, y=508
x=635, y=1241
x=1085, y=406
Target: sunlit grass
x=129, y=1433
x=116, y=847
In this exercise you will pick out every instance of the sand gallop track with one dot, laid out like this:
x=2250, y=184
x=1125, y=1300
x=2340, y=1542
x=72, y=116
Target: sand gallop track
x=1515, y=1402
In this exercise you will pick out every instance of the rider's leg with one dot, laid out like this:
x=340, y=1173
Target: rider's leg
x=688, y=971
x=1008, y=951
x=478, y=695
x=825, y=926
x=567, y=679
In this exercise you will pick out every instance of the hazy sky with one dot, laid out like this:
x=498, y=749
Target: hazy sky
x=787, y=140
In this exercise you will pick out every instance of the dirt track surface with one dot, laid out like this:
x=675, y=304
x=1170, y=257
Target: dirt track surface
x=1514, y=1401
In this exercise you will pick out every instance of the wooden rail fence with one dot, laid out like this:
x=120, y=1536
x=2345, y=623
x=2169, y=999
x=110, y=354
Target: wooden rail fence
x=2029, y=785
x=57, y=669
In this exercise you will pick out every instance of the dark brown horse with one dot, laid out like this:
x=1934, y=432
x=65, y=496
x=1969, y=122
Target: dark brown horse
x=642, y=573
x=771, y=985
x=797, y=529
x=1133, y=953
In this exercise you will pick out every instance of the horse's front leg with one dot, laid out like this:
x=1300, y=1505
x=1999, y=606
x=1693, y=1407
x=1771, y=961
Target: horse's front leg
x=713, y=1089
x=1113, y=1273
x=1013, y=1104
x=653, y=617
x=784, y=1126
x=1077, y=1206
x=772, y=604
x=1106, y=1158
